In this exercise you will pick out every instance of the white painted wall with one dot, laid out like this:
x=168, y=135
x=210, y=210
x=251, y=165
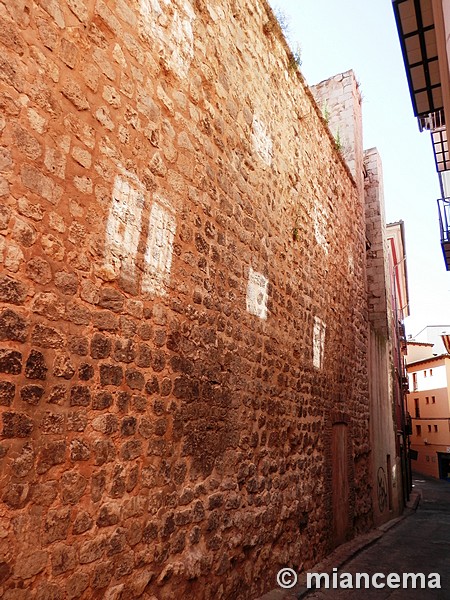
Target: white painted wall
x=430, y=382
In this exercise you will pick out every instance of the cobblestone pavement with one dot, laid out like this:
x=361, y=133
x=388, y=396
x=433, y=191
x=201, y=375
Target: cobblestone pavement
x=418, y=544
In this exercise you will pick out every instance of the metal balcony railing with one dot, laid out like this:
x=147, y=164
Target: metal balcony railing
x=444, y=222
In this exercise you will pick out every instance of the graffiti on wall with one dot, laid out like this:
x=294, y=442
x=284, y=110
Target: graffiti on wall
x=382, y=489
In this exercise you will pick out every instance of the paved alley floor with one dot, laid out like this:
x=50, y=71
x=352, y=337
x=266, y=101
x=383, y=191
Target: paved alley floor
x=420, y=543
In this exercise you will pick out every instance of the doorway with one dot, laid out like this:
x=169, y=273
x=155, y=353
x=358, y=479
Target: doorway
x=444, y=465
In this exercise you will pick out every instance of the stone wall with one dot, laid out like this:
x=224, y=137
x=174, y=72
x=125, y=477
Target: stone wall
x=386, y=464
x=183, y=312
x=340, y=100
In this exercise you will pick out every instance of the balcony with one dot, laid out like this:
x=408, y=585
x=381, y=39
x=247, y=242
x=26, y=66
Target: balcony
x=444, y=222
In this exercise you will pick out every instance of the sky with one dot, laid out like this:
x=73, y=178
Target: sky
x=334, y=37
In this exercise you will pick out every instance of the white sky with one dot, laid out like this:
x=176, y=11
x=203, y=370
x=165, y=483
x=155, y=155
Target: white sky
x=361, y=35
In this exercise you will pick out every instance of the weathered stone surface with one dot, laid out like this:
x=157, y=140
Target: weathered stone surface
x=12, y=291
x=32, y=394
x=10, y=361
x=78, y=345
x=57, y=395
x=104, y=451
x=5, y=572
x=49, y=591
x=63, y=367
x=79, y=450
x=80, y=395
x=76, y=585
x=56, y=525
x=100, y=346
x=7, y=393
x=105, y=320
x=82, y=523
x=12, y=326
x=92, y=551
x=73, y=486
x=134, y=379
x=111, y=299
x=52, y=423
x=16, y=495
x=128, y=426
x=67, y=283
x=111, y=375
x=35, y=367
x=48, y=305
x=44, y=494
x=47, y=337
x=16, y=425
x=102, y=400
x=63, y=559
x=106, y=424
x=38, y=269
x=124, y=351
x=85, y=372
x=54, y=453
x=108, y=515
x=30, y=564
x=131, y=450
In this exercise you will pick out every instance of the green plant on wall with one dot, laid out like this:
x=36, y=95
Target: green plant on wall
x=295, y=61
x=338, y=141
x=283, y=20
x=326, y=112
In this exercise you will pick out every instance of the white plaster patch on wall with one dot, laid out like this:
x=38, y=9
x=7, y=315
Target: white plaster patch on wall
x=158, y=254
x=123, y=227
x=320, y=227
x=262, y=142
x=170, y=23
x=319, y=331
x=351, y=264
x=257, y=294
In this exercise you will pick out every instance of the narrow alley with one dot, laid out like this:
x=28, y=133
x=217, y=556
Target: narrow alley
x=418, y=544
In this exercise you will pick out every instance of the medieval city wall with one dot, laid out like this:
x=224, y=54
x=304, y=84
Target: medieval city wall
x=183, y=312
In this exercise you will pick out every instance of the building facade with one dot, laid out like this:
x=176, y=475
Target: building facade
x=429, y=407
x=424, y=33
x=184, y=328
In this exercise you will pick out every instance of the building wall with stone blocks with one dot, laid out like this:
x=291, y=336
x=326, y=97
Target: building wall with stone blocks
x=340, y=100
x=173, y=359
x=386, y=464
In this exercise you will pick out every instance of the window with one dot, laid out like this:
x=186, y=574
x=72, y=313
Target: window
x=431, y=372
x=424, y=373
x=414, y=382
x=427, y=458
x=427, y=400
x=435, y=427
x=429, y=428
x=433, y=399
x=418, y=430
x=417, y=408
